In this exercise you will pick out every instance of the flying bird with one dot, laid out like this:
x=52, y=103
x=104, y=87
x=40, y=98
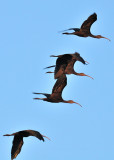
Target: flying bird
x=65, y=65
x=18, y=140
x=56, y=95
x=84, y=30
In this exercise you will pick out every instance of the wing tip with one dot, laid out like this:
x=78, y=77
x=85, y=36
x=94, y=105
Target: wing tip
x=95, y=14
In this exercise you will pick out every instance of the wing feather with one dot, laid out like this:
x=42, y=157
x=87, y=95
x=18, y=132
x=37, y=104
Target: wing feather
x=87, y=23
x=61, y=65
x=70, y=65
x=35, y=134
x=18, y=140
x=17, y=145
x=60, y=85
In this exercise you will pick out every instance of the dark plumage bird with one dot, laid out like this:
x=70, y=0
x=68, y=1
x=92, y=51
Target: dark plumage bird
x=65, y=65
x=56, y=95
x=18, y=140
x=84, y=30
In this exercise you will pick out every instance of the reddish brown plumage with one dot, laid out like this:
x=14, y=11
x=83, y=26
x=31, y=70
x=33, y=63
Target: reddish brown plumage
x=65, y=65
x=18, y=140
x=56, y=95
x=84, y=30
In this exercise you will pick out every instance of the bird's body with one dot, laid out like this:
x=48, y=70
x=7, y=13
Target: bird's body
x=18, y=140
x=56, y=95
x=84, y=30
x=65, y=65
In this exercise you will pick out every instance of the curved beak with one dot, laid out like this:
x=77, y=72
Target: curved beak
x=78, y=104
x=89, y=76
x=86, y=62
x=107, y=38
x=46, y=137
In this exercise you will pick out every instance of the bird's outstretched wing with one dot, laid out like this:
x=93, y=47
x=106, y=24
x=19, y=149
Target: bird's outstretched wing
x=87, y=23
x=61, y=64
x=16, y=147
x=70, y=65
x=18, y=140
x=34, y=133
x=59, y=85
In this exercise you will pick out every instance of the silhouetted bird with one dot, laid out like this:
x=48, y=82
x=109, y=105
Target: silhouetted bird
x=18, y=140
x=84, y=31
x=65, y=65
x=56, y=95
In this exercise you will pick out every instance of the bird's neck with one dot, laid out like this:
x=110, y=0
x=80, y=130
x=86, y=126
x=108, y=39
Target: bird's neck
x=96, y=36
x=66, y=101
x=45, y=99
x=93, y=36
x=74, y=72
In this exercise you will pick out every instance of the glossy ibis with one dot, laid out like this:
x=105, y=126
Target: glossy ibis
x=18, y=140
x=84, y=30
x=56, y=95
x=65, y=65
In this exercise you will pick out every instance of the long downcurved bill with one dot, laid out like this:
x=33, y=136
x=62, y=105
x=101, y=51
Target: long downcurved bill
x=78, y=104
x=107, y=38
x=46, y=137
x=83, y=74
x=89, y=76
x=87, y=62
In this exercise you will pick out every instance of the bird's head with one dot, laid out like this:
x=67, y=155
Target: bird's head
x=76, y=54
x=71, y=101
x=79, y=58
x=99, y=36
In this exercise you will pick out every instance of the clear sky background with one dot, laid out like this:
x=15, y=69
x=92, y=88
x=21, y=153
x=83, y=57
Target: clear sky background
x=28, y=36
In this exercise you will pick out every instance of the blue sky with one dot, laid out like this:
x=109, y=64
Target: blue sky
x=28, y=36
